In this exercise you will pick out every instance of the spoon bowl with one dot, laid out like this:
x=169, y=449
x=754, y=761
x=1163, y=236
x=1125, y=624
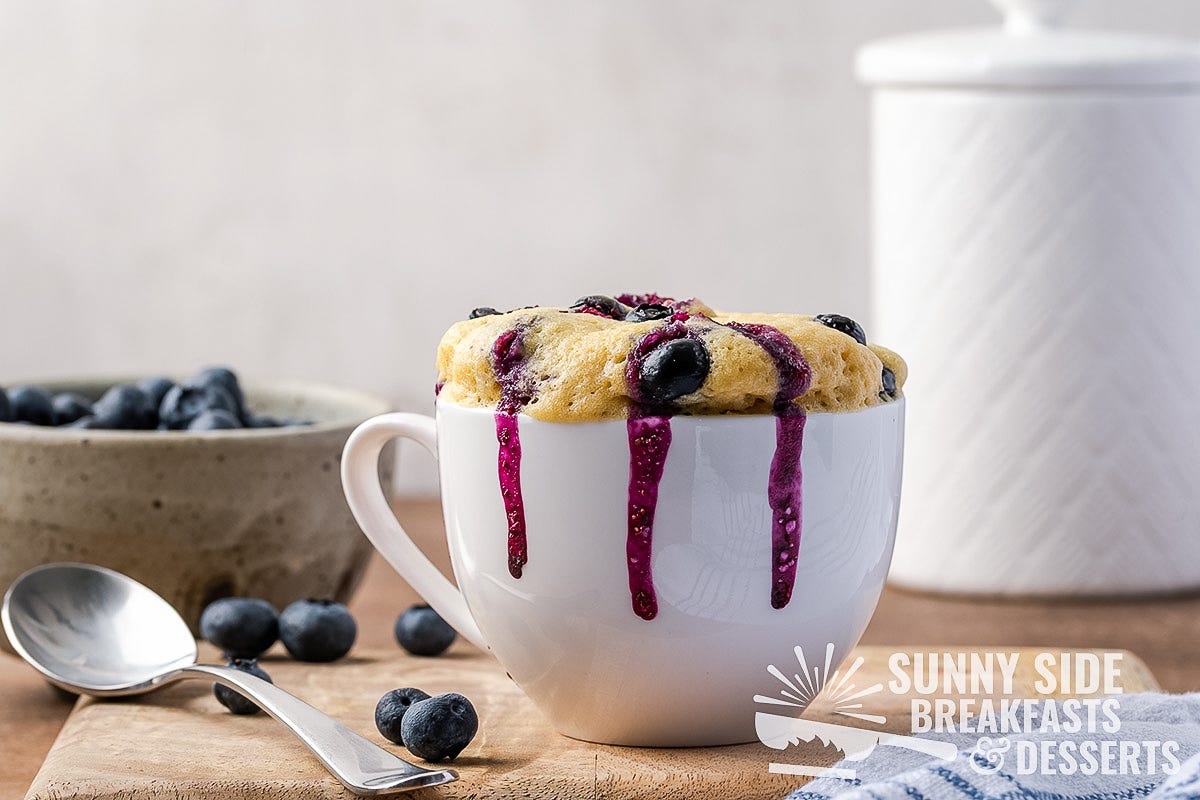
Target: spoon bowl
x=94, y=631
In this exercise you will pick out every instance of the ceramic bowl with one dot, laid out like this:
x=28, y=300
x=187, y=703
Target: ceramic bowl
x=194, y=516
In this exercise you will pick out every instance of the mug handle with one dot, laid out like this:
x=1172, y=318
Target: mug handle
x=360, y=481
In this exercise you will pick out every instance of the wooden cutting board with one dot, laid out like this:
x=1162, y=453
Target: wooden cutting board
x=179, y=743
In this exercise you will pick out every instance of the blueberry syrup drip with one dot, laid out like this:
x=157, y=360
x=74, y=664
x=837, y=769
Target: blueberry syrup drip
x=508, y=361
x=437, y=388
x=509, y=460
x=785, y=495
x=785, y=483
x=649, y=432
x=649, y=441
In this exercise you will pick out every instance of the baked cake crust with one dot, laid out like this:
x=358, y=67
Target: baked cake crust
x=575, y=363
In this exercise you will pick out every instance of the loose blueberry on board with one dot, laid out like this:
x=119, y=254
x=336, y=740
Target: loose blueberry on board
x=185, y=402
x=647, y=312
x=125, y=407
x=69, y=407
x=243, y=627
x=155, y=387
x=889, y=384
x=225, y=378
x=31, y=404
x=235, y=702
x=601, y=306
x=440, y=727
x=422, y=632
x=389, y=712
x=673, y=369
x=5, y=409
x=317, y=630
x=216, y=420
x=843, y=324
x=482, y=311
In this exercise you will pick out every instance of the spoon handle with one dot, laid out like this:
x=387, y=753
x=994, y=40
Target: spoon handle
x=363, y=767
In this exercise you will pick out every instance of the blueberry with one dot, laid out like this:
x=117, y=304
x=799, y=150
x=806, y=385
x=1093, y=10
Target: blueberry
x=155, y=388
x=243, y=627
x=440, y=727
x=648, y=311
x=262, y=421
x=845, y=325
x=673, y=369
x=601, y=306
x=185, y=402
x=317, y=630
x=69, y=407
x=215, y=420
x=233, y=700
x=5, y=409
x=390, y=711
x=422, y=632
x=482, y=311
x=227, y=380
x=126, y=407
x=85, y=423
x=30, y=404
x=889, y=384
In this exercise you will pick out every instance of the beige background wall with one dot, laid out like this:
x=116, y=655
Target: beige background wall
x=317, y=189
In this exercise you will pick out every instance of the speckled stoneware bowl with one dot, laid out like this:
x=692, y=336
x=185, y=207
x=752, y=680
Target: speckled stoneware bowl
x=194, y=516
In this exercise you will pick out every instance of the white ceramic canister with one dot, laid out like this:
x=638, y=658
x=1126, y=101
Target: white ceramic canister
x=1036, y=204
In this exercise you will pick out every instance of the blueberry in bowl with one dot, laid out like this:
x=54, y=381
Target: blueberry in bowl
x=70, y=407
x=197, y=515
x=32, y=404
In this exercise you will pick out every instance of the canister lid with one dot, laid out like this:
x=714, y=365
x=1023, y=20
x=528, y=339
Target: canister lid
x=1032, y=49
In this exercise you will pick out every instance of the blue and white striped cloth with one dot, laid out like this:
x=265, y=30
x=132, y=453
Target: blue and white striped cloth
x=891, y=772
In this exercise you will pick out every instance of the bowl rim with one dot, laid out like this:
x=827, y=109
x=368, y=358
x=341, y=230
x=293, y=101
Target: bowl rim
x=368, y=405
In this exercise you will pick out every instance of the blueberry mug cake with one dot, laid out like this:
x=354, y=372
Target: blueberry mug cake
x=644, y=359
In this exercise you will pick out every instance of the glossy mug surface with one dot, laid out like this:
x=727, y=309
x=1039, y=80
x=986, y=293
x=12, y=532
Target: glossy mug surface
x=566, y=630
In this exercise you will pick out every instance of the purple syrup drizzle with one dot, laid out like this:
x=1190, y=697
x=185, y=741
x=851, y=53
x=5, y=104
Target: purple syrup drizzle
x=785, y=483
x=508, y=361
x=649, y=432
x=649, y=441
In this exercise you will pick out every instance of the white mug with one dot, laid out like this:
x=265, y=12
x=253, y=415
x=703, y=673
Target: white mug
x=567, y=630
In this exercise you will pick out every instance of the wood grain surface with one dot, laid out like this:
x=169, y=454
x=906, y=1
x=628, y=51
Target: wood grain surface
x=1162, y=631
x=182, y=743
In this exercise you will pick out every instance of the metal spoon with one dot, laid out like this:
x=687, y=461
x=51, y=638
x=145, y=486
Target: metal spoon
x=94, y=631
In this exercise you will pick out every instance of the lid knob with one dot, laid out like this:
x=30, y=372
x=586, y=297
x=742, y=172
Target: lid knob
x=1029, y=16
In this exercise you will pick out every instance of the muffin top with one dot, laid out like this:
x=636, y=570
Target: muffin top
x=611, y=358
